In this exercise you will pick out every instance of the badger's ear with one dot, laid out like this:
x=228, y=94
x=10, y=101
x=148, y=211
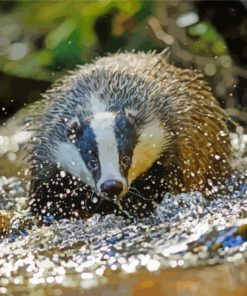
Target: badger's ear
x=131, y=115
x=74, y=126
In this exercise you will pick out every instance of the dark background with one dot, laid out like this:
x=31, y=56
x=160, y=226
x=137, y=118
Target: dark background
x=42, y=40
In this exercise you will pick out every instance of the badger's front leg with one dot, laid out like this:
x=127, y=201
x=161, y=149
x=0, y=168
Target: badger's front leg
x=61, y=196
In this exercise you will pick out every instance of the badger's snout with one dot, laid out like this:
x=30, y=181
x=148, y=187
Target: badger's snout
x=111, y=188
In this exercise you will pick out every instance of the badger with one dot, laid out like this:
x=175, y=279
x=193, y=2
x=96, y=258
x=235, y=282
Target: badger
x=116, y=135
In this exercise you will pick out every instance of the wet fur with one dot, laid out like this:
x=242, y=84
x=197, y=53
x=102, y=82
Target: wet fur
x=194, y=124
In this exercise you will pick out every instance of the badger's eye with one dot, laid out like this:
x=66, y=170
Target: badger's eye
x=93, y=165
x=125, y=160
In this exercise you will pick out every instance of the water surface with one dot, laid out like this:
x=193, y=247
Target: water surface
x=188, y=245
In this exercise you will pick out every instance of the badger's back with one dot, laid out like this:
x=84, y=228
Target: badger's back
x=199, y=152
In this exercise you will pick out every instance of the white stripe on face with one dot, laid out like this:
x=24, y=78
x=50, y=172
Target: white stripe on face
x=152, y=141
x=103, y=126
x=71, y=161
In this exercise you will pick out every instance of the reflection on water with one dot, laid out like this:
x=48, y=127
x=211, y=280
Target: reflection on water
x=174, y=252
x=185, y=231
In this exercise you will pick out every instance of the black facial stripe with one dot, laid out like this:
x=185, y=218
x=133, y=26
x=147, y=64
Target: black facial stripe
x=126, y=137
x=88, y=148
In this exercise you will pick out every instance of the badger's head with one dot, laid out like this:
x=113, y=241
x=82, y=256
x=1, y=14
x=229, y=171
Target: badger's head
x=109, y=150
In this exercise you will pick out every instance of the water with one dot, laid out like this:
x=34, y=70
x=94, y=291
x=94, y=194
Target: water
x=187, y=244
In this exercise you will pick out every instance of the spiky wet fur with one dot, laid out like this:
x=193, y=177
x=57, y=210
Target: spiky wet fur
x=198, y=151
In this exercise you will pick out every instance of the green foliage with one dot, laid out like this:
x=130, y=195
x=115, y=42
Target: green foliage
x=44, y=39
x=59, y=35
x=205, y=40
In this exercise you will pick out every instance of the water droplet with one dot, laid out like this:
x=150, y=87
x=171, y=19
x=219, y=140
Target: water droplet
x=210, y=182
x=95, y=199
x=62, y=174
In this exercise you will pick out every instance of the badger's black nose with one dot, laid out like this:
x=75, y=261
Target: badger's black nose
x=112, y=188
